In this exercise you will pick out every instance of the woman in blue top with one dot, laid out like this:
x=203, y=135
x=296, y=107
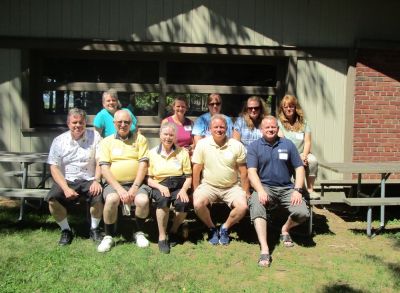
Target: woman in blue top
x=104, y=120
x=246, y=128
x=202, y=124
x=293, y=126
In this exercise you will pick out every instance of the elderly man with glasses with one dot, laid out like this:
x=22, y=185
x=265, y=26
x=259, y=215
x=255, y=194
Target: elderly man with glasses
x=124, y=163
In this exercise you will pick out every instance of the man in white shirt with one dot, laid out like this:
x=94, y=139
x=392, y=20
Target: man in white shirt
x=76, y=173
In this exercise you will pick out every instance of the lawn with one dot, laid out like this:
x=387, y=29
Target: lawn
x=338, y=258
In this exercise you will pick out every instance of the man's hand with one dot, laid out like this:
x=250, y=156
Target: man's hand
x=95, y=188
x=296, y=198
x=123, y=195
x=183, y=196
x=70, y=193
x=263, y=197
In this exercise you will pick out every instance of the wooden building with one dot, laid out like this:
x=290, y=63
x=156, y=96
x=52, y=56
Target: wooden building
x=341, y=58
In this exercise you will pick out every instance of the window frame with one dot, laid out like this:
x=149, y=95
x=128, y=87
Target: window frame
x=34, y=68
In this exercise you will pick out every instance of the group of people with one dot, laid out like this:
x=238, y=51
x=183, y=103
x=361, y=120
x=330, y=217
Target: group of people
x=256, y=163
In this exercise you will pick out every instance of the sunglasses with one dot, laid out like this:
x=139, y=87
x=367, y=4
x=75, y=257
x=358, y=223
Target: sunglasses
x=214, y=104
x=253, y=108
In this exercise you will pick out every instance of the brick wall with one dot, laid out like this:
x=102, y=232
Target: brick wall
x=377, y=107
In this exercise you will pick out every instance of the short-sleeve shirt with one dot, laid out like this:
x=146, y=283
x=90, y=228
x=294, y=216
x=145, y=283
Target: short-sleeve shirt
x=105, y=121
x=176, y=163
x=220, y=164
x=275, y=163
x=184, y=132
x=201, y=126
x=75, y=158
x=123, y=156
x=247, y=135
x=297, y=137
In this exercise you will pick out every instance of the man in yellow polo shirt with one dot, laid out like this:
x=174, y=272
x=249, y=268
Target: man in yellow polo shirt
x=124, y=162
x=220, y=158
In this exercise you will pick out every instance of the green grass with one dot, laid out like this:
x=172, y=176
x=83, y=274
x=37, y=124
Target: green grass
x=336, y=260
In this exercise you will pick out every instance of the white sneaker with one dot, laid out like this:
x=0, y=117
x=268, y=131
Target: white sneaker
x=105, y=244
x=314, y=195
x=141, y=240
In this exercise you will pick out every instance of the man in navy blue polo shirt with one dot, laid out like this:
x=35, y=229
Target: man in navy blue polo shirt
x=271, y=163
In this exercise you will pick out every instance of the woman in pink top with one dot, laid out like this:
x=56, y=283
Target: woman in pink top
x=183, y=125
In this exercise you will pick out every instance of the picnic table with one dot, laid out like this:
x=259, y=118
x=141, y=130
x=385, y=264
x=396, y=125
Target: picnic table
x=385, y=169
x=25, y=159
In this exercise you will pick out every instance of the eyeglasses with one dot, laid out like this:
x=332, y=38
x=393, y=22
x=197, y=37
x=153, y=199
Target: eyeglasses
x=214, y=104
x=253, y=108
x=123, y=122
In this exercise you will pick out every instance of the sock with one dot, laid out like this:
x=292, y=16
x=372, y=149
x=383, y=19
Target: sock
x=64, y=224
x=109, y=229
x=94, y=223
x=140, y=224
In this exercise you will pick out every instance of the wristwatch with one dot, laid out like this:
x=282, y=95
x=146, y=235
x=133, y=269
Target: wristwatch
x=299, y=189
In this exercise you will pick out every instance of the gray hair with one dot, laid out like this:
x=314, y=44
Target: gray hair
x=111, y=92
x=220, y=117
x=76, y=112
x=168, y=125
x=270, y=117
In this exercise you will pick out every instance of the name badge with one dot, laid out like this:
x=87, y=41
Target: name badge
x=300, y=135
x=283, y=156
x=187, y=127
x=228, y=155
x=177, y=164
x=117, y=152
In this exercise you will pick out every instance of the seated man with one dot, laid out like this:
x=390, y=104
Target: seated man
x=220, y=158
x=123, y=162
x=270, y=162
x=76, y=174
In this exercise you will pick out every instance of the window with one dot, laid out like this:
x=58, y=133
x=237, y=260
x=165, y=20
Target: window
x=146, y=83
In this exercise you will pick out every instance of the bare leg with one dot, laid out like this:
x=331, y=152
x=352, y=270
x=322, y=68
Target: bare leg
x=260, y=225
x=178, y=220
x=310, y=183
x=162, y=222
x=203, y=212
x=96, y=210
x=237, y=213
x=57, y=210
x=111, y=209
x=142, y=206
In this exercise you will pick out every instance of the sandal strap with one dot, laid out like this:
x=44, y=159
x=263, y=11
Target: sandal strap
x=265, y=257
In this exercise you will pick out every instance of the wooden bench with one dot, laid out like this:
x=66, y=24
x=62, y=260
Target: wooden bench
x=370, y=202
x=352, y=182
x=312, y=203
x=23, y=194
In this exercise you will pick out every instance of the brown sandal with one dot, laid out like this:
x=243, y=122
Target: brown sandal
x=265, y=260
x=286, y=240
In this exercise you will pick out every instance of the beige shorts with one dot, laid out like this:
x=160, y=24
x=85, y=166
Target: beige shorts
x=215, y=194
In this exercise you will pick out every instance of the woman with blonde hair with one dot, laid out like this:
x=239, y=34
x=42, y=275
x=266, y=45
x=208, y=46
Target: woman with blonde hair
x=294, y=126
x=246, y=128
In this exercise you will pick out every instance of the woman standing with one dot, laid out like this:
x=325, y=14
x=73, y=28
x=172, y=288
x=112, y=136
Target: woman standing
x=293, y=126
x=183, y=124
x=246, y=128
x=202, y=123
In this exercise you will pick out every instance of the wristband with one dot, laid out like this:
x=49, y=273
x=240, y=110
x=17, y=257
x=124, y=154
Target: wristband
x=299, y=189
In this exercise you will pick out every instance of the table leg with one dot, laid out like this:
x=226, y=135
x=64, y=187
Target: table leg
x=369, y=221
x=24, y=185
x=310, y=223
x=383, y=194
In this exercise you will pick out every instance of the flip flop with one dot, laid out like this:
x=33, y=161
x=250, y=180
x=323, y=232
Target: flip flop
x=265, y=260
x=286, y=240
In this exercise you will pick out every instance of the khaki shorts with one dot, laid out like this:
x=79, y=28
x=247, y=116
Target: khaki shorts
x=215, y=194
